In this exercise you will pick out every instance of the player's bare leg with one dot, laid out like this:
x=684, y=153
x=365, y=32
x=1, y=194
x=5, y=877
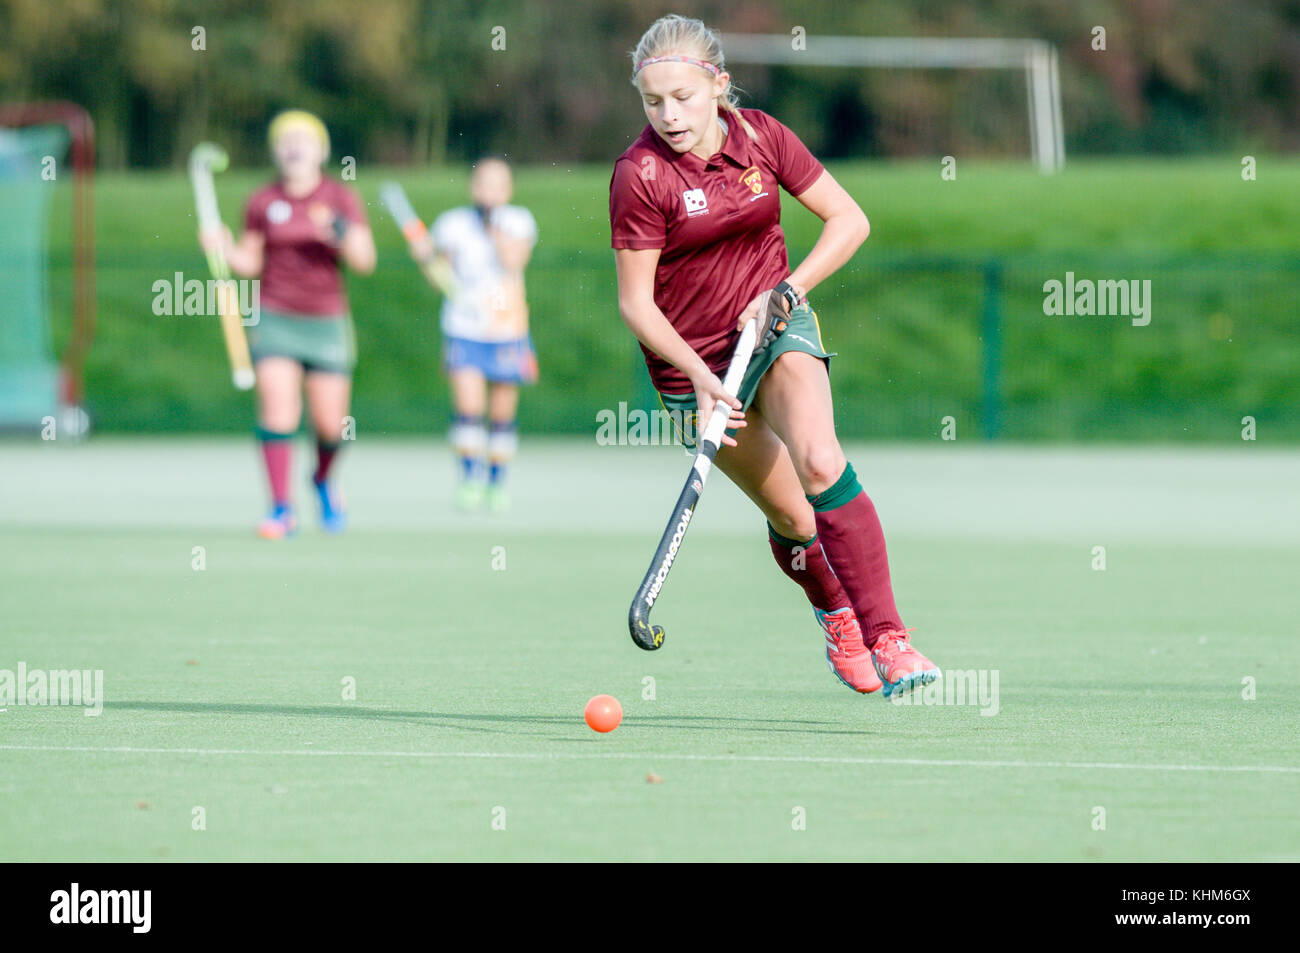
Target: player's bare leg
x=502, y=440
x=328, y=397
x=760, y=465
x=279, y=410
x=795, y=397
x=469, y=434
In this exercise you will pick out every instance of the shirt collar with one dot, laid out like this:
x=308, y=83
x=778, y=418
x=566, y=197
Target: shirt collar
x=736, y=146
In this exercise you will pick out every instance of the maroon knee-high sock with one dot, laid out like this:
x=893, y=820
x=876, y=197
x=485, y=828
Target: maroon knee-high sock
x=806, y=564
x=850, y=533
x=277, y=451
x=326, y=451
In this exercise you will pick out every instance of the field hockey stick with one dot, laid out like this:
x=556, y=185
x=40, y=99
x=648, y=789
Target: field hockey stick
x=205, y=159
x=437, y=270
x=643, y=633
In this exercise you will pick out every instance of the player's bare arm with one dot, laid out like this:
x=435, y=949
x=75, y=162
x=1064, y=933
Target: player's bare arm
x=245, y=256
x=513, y=253
x=353, y=241
x=636, y=304
x=357, y=249
x=844, y=230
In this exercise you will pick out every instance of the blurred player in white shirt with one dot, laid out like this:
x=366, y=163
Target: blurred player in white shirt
x=487, y=351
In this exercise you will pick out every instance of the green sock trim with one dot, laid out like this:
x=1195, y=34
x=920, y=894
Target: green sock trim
x=843, y=490
x=786, y=541
x=264, y=434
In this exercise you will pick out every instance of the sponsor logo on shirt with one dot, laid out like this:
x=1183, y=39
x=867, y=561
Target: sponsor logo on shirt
x=278, y=212
x=696, y=203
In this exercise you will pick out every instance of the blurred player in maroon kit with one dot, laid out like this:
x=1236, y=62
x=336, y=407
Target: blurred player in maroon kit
x=298, y=234
x=695, y=223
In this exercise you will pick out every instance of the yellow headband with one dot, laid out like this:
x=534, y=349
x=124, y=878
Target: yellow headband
x=298, y=119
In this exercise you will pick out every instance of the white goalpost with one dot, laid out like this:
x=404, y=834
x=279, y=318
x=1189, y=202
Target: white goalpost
x=1036, y=57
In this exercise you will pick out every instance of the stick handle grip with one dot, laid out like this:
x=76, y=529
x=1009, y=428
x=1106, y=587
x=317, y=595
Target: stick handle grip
x=731, y=383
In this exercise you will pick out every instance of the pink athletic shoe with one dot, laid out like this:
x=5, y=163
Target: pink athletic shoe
x=279, y=523
x=901, y=667
x=846, y=654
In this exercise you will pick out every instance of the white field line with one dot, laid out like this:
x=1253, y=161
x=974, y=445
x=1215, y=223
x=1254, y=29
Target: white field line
x=658, y=756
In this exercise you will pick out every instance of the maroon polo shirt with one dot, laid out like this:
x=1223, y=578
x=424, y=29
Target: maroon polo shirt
x=718, y=223
x=300, y=272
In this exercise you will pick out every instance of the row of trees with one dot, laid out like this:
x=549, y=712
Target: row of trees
x=546, y=80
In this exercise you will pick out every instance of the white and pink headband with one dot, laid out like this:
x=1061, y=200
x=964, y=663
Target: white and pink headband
x=675, y=59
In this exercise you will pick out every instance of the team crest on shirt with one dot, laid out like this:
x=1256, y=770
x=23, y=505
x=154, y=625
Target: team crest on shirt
x=696, y=203
x=278, y=212
x=320, y=214
x=753, y=178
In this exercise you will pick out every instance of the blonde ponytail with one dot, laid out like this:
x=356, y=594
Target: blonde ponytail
x=728, y=102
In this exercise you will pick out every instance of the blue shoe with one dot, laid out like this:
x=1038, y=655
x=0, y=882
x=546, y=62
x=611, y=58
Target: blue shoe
x=279, y=523
x=333, y=509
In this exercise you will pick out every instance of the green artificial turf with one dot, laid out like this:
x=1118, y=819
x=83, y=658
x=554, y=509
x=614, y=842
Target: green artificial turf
x=475, y=640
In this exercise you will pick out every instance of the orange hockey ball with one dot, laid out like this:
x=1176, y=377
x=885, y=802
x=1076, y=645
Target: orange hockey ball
x=603, y=713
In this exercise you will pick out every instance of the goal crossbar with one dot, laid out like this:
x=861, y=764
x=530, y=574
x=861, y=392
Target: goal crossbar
x=1037, y=58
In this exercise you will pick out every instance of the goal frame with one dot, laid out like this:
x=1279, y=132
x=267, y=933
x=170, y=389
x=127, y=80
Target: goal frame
x=81, y=158
x=1037, y=58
